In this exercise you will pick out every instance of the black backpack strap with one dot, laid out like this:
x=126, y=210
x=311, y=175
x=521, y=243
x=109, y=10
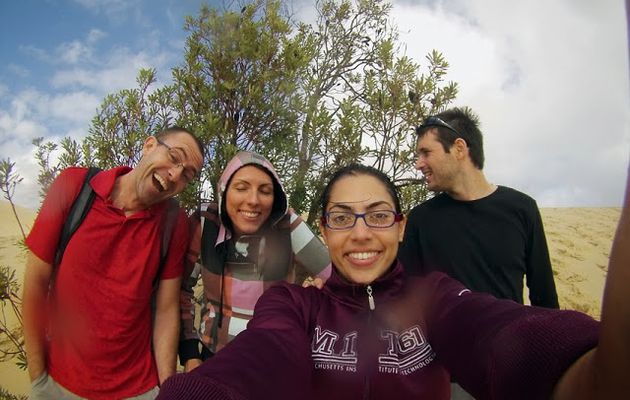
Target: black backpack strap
x=77, y=214
x=169, y=219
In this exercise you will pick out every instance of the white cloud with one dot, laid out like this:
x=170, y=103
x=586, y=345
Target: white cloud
x=18, y=70
x=76, y=107
x=551, y=89
x=20, y=123
x=17, y=130
x=117, y=72
x=107, y=7
x=73, y=52
x=32, y=114
x=35, y=52
x=548, y=79
x=119, y=12
x=95, y=35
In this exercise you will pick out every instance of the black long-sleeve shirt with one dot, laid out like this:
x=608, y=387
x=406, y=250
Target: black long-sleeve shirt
x=488, y=244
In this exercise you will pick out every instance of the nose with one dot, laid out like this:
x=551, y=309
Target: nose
x=176, y=171
x=360, y=230
x=419, y=162
x=252, y=197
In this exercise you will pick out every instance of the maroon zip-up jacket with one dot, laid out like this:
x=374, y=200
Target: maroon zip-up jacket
x=396, y=338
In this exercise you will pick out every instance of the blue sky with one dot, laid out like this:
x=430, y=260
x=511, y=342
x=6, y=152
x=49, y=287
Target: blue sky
x=549, y=79
x=40, y=34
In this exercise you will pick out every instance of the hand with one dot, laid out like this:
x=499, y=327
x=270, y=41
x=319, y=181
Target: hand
x=317, y=282
x=192, y=364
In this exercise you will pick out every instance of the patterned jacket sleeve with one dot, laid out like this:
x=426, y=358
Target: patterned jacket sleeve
x=308, y=249
x=277, y=335
x=189, y=339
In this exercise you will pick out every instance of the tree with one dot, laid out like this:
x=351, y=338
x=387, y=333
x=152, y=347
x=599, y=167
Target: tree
x=11, y=338
x=310, y=97
x=9, y=179
x=395, y=99
x=236, y=85
x=361, y=100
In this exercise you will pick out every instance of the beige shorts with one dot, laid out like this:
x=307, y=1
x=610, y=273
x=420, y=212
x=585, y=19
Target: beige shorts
x=45, y=388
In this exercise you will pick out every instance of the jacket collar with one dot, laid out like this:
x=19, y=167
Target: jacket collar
x=384, y=288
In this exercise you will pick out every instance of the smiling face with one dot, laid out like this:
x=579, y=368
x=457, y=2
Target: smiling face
x=362, y=254
x=164, y=173
x=438, y=167
x=249, y=199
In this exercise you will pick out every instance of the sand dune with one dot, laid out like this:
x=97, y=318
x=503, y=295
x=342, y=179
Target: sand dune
x=579, y=243
x=12, y=378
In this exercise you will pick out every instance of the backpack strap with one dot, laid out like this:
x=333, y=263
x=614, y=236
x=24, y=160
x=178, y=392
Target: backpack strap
x=82, y=205
x=169, y=219
x=77, y=214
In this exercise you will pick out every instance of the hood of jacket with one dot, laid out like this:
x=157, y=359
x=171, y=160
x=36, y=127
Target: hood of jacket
x=243, y=158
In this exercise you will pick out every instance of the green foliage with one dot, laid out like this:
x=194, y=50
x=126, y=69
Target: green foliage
x=11, y=337
x=9, y=179
x=310, y=97
x=236, y=86
x=6, y=395
x=124, y=120
x=47, y=172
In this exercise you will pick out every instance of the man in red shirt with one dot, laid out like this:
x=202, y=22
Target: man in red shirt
x=91, y=334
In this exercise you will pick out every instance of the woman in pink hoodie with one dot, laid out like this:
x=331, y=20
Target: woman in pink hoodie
x=240, y=246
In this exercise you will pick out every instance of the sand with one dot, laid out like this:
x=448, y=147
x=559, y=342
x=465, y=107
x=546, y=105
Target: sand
x=12, y=378
x=579, y=244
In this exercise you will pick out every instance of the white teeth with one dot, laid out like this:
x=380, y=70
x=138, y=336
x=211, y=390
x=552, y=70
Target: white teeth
x=160, y=180
x=363, y=255
x=250, y=214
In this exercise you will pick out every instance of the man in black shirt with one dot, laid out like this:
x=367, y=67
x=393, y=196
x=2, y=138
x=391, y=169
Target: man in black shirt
x=484, y=235
x=487, y=236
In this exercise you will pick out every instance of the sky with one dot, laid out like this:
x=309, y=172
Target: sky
x=548, y=79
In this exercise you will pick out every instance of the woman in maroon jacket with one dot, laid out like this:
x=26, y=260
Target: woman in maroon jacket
x=371, y=334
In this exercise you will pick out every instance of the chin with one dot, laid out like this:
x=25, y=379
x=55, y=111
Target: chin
x=361, y=279
x=248, y=230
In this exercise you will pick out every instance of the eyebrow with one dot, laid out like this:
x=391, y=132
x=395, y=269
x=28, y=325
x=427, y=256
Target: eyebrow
x=370, y=206
x=188, y=160
x=242, y=180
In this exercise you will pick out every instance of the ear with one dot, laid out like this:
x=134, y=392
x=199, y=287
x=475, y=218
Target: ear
x=461, y=148
x=150, y=143
x=401, y=228
x=322, y=231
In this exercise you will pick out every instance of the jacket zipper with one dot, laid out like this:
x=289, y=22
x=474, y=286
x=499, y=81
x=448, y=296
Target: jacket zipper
x=368, y=289
x=366, y=387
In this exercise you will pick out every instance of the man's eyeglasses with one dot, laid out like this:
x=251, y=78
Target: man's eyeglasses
x=343, y=220
x=175, y=157
x=435, y=121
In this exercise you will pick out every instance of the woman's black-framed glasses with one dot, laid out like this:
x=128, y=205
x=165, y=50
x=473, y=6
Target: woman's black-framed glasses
x=343, y=220
x=175, y=157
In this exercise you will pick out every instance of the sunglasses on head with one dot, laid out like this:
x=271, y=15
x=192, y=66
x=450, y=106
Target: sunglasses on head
x=433, y=122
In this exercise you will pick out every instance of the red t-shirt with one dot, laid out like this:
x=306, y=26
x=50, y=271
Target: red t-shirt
x=101, y=322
